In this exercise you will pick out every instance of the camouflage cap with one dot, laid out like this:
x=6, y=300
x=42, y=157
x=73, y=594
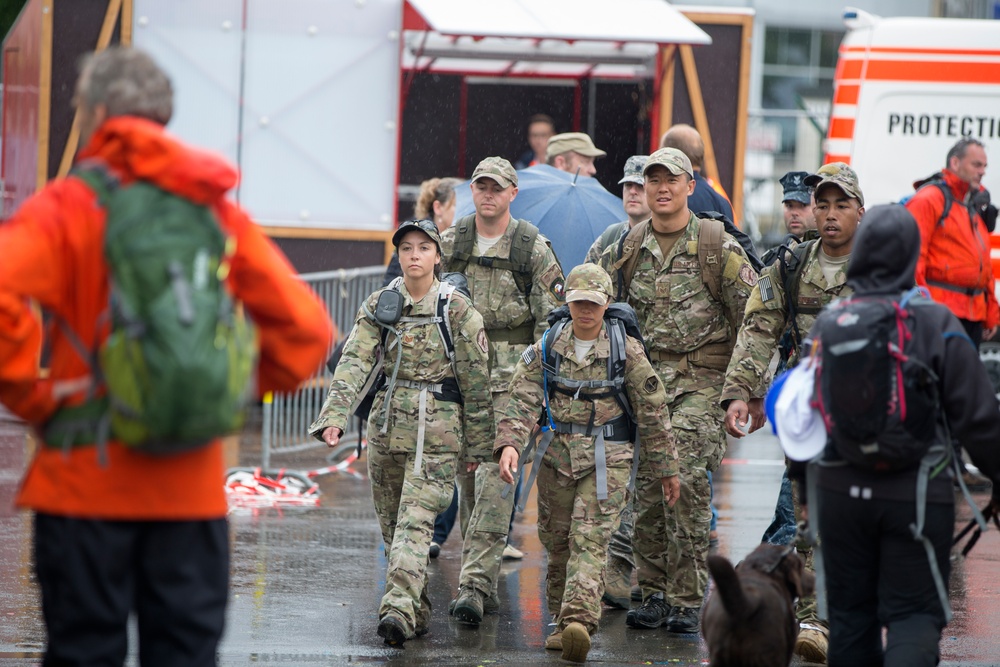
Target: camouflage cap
x=497, y=169
x=426, y=226
x=839, y=174
x=578, y=142
x=633, y=169
x=674, y=160
x=588, y=282
x=794, y=188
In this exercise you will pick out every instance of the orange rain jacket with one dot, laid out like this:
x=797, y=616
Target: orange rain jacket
x=955, y=253
x=53, y=254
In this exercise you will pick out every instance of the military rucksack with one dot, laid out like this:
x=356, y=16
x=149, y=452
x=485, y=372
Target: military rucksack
x=519, y=262
x=377, y=378
x=179, y=361
x=622, y=322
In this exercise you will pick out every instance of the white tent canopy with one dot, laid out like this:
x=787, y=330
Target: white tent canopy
x=548, y=38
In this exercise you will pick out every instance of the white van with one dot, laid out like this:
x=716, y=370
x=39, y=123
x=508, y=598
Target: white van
x=906, y=89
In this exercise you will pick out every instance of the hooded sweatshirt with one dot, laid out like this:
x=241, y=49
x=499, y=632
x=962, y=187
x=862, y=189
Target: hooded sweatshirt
x=883, y=263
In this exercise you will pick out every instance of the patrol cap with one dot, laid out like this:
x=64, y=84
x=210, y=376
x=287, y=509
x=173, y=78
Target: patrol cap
x=497, y=169
x=633, y=169
x=426, y=226
x=794, y=187
x=674, y=160
x=839, y=174
x=588, y=282
x=578, y=142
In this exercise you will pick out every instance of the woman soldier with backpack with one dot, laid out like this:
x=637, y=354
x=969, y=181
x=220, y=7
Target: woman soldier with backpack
x=595, y=390
x=433, y=400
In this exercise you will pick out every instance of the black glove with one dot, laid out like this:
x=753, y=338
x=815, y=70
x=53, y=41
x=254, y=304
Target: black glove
x=981, y=200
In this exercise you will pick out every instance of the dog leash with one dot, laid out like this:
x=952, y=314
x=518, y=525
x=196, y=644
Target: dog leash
x=989, y=512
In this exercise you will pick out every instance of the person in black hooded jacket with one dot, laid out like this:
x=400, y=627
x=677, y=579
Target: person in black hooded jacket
x=877, y=575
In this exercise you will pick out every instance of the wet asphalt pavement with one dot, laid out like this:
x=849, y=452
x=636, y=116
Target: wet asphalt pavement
x=306, y=581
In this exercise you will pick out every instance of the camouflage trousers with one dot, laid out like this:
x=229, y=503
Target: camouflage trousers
x=485, y=520
x=484, y=528
x=406, y=503
x=670, y=545
x=575, y=527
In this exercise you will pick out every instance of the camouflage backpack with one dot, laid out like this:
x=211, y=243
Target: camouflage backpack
x=179, y=362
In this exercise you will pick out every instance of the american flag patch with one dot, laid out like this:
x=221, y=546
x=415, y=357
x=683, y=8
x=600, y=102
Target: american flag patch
x=528, y=355
x=766, y=289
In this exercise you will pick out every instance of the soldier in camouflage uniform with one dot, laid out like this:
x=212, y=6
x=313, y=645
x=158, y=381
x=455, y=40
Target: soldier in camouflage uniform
x=419, y=432
x=582, y=478
x=514, y=286
x=771, y=318
x=689, y=331
x=634, y=202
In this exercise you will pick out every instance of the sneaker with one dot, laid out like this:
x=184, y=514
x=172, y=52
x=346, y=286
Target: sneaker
x=812, y=643
x=510, y=552
x=435, y=550
x=618, y=584
x=684, y=620
x=469, y=606
x=554, y=641
x=575, y=643
x=392, y=629
x=651, y=614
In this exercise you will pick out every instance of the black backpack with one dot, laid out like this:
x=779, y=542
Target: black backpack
x=450, y=283
x=880, y=404
x=622, y=322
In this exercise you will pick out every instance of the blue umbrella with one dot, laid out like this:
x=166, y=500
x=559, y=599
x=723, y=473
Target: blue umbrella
x=570, y=210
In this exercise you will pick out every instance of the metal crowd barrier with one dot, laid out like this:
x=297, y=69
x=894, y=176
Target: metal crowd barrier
x=286, y=417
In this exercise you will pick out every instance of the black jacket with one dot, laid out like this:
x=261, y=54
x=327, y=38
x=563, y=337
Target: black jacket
x=883, y=261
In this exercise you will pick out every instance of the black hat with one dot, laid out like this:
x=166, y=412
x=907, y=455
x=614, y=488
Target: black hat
x=794, y=187
x=426, y=226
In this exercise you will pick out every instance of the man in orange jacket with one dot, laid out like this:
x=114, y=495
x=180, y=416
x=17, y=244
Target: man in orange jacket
x=124, y=531
x=954, y=263
x=954, y=259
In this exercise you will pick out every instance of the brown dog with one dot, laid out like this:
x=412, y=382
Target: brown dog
x=750, y=618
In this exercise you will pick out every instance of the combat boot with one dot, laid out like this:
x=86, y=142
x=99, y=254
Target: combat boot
x=554, y=641
x=812, y=643
x=618, y=584
x=684, y=620
x=651, y=614
x=469, y=606
x=392, y=629
x=575, y=643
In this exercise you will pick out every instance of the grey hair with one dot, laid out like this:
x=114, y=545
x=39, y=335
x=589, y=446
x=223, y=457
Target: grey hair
x=128, y=82
x=960, y=148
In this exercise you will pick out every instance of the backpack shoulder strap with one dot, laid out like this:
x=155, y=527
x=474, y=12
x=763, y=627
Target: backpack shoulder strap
x=710, y=254
x=445, y=292
x=465, y=237
x=616, y=363
x=521, y=248
x=628, y=257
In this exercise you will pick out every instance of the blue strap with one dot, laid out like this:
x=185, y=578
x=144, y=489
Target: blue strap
x=545, y=386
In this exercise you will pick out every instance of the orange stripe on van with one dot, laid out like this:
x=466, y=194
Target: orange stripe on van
x=848, y=69
x=847, y=93
x=841, y=128
x=921, y=51
x=906, y=70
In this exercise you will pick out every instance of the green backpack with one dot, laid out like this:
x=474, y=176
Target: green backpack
x=179, y=361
